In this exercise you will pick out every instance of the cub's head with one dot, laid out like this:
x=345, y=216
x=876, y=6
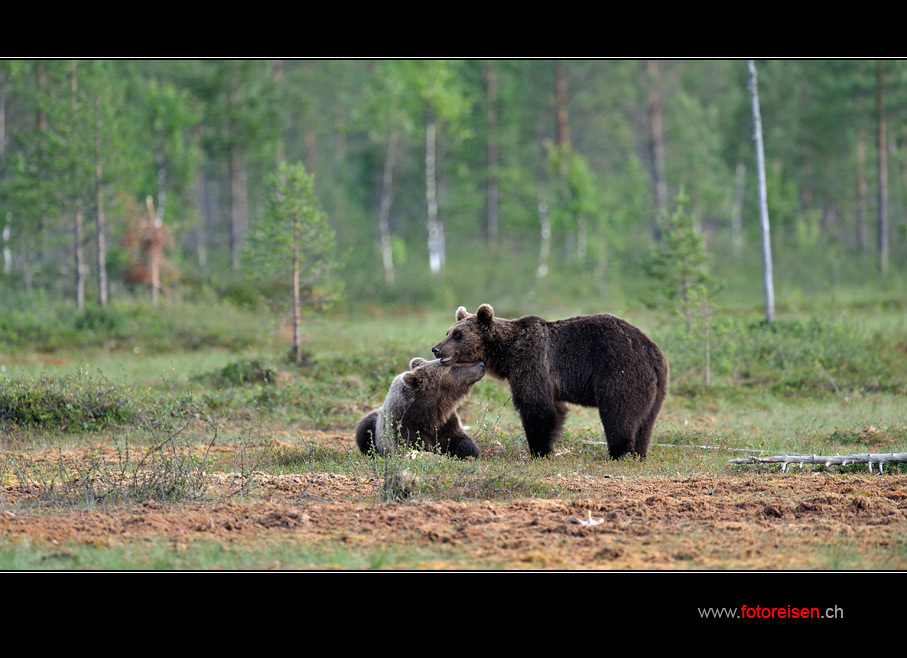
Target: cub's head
x=432, y=380
x=465, y=339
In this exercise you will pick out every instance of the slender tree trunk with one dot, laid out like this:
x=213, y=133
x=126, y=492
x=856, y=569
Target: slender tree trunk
x=2, y=116
x=657, y=146
x=708, y=342
x=561, y=95
x=308, y=123
x=902, y=159
x=238, y=204
x=545, y=223
x=79, y=259
x=159, y=212
x=737, y=211
x=297, y=304
x=41, y=118
x=882, y=146
x=387, y=197
x=435, y=229
x=100, y=237
x=78, y=253
x=491, y=124
x=7, y=252
x=201, y=238
x=767, y=280
x=155, y=250
x=277, y=77
x=862, y=192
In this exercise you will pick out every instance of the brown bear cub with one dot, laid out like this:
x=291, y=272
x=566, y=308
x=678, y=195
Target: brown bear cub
x=595, y=361
x=420, y=410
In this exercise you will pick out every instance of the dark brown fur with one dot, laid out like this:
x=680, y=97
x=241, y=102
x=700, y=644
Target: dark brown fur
x=420, y=411
x=595, y=361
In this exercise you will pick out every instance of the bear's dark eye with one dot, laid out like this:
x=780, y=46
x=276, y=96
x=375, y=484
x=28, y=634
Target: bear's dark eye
x=457, y=335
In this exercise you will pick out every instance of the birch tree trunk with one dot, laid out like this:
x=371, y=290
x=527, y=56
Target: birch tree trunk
x=387, y=197
x=435, y=230
x=767, y=281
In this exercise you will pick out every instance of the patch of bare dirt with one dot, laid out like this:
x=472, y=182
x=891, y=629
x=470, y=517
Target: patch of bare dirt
x=741, y=521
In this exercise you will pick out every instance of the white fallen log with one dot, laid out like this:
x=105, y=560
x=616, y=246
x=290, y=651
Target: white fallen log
x=825, y=460
x=683, y=445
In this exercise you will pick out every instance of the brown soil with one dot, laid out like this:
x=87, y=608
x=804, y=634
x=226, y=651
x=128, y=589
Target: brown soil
x=800, y=520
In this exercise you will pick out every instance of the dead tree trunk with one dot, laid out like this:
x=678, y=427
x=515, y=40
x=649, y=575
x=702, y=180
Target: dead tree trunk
x=767, y=280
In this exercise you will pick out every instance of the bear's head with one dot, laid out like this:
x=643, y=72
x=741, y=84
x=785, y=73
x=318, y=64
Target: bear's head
x=465, y=341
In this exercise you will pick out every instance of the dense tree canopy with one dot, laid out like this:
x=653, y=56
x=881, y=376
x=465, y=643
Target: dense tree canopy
x=449, y=166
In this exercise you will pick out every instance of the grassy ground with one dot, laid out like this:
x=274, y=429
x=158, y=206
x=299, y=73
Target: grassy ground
x=229, y=457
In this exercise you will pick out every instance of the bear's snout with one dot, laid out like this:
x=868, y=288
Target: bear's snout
x=436, y=350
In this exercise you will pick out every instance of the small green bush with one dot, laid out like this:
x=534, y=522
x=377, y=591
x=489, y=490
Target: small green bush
x=76, y=402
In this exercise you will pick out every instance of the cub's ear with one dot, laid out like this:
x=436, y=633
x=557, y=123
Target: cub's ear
x=410, y=380
x=462, y=313
x=416, y=361
x=485, y=313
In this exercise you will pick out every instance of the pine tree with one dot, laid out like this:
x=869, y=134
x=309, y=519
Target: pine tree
x=294, y=243
x=680, y=265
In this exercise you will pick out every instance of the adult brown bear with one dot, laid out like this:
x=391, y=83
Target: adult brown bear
x=420, y=410
x=595, y=361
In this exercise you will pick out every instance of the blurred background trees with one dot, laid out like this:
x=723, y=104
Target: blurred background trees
x=447, y=182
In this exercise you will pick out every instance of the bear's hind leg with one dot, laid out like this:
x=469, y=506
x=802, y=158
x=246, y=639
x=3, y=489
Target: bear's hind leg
x=365, y=432
x=542, y=424
x=620, y=435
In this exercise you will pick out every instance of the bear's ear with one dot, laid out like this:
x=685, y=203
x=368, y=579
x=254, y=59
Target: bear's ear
x=416, y=361
x=485, y=313
x=462, y=313
x=410, y=380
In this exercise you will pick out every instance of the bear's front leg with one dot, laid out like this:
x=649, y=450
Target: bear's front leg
x=456, y=442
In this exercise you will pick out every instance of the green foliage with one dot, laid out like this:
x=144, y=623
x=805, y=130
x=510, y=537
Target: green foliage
x=30, y=323
x=680, y=263
x=818, y=356
x=294, y=230
x=72, y=403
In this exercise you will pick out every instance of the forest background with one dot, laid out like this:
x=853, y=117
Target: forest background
x=535, y=185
